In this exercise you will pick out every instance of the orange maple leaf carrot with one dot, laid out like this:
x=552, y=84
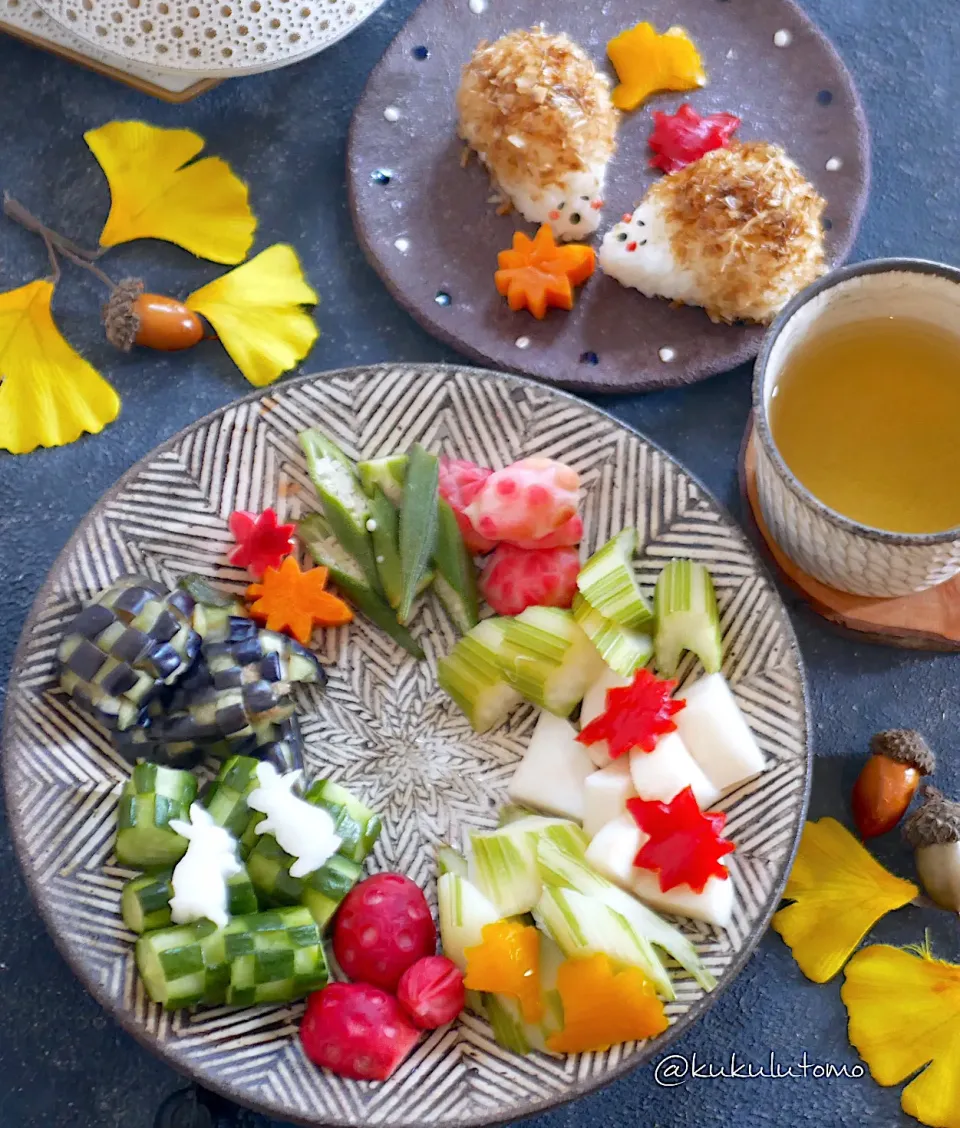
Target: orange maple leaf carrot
x=537, y=274
x=294, y=601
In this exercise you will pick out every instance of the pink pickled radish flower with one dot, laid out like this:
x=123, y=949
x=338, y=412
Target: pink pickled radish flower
x=516, y=578
x=525, y=502
x=460, y=482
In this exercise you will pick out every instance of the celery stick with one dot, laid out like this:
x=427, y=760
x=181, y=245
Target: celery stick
x=687, y=617
x=623, y=649
x=418, y=524
x=463, y=911
x=608, y=583
x=471, y=674
x=511, y=813
x=503, y=866
x=548, y=659
x=583, y=926
x=450, y=861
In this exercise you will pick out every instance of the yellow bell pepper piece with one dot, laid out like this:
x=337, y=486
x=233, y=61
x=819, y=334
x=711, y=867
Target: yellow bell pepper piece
x=601, y=1008
x=508, y=963
x=646, y=62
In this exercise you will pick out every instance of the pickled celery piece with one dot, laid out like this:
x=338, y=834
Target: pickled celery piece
x=607, y=582
x=624, y=649
x=473, y=676
x=548, y=659
x=687, y=617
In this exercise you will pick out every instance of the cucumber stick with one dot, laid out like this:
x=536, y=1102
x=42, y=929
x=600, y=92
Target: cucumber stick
x=387, y=474
x=687, y=617
x=561, y=866
x=145, y=901
x=472, y=675
x=150, y=799
x=270, y=957
x=317, y=535
x=226, y=796
x=624, y=649
x=607, y=582
x=582, y=926
x=418, y=524
x=456, y=577
x=345, y=505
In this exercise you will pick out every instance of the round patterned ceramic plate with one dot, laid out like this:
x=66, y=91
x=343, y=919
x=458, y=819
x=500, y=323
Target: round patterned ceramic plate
x=430, y=230
x=383, y=727
x=222, y=39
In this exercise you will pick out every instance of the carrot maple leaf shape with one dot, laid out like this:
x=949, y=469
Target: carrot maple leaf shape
x=294, y=601
x=536, y=274
x=684, y=845
x=637, y=715
x=261, y=542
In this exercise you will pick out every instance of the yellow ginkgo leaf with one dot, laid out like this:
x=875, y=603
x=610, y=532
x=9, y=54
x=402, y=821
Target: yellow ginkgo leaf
x=49, y=395
x=839, y=893
x=257, y=311
x=156, y=193
x=904, y=1010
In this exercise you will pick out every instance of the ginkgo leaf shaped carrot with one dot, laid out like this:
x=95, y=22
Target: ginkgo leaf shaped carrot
x=839, y=892
x=294, y=601
x=536, y=274
x=904, y=1009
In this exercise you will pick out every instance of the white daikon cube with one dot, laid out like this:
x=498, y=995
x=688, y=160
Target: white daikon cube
x=553, y=771
x=663, y=773
x=717, y=735
x=605, y=795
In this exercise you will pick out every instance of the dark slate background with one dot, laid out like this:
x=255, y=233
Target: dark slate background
x=62, y=1060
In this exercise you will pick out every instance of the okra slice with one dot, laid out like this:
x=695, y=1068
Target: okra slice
x=455, y=581
x=345, y=505
x=384, y=527
x=418, y=524
x=389, y=474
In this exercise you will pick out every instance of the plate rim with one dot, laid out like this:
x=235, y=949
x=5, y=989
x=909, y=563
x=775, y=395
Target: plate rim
x=746, y=352
x=243, y=1097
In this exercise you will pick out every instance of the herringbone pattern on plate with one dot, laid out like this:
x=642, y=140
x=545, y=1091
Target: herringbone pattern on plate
x=382, y=727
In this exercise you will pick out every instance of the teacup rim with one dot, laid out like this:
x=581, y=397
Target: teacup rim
x=761, y=423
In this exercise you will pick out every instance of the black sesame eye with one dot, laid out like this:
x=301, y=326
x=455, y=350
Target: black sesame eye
x=584, y=197
x=622, y=236
x=574, y=217
x=642, y=243
x=561, y=205
x=640, y=223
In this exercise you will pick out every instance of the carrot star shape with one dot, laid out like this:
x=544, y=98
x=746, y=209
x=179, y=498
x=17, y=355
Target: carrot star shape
x=537, y=275
x=261, y=542
x=294, y=601
x=684, y=845
x=601, y=1008
x=904, y=1010
x=646, y=62
x=637, y=715
x=839, y=892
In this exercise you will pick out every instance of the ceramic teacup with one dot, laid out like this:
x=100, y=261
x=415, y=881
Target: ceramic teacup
x=832, y=548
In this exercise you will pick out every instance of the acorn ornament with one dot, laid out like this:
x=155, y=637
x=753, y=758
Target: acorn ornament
x=889, y=780
x=132, y=317
x=933, y=830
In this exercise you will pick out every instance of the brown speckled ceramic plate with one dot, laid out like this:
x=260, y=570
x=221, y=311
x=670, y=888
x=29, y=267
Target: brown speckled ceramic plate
x=427, y=227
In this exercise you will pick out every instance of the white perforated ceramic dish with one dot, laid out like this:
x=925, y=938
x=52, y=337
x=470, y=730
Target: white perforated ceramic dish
x=383, y=727
x=211, y=38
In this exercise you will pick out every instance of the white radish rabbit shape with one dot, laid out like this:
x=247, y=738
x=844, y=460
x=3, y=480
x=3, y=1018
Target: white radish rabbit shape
x=200, y=879
x=304, y=831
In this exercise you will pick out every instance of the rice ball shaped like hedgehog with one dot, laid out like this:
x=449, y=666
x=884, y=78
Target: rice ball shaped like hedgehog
x=539, y=115
x=738, y=232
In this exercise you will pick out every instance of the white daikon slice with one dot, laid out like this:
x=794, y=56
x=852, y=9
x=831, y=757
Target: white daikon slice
x=717, y=735
x=553, y=771
x=714, y=905
x=663, y=773
x=605, y=795
x=613, y=850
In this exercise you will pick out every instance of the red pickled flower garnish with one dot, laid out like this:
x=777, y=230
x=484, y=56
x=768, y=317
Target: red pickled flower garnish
x=637, y=715
x=684, y=845
x=684, y=137
x=261, y=542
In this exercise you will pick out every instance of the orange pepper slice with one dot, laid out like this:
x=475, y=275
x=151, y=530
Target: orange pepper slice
x=295, y=602
x=601, y=1008
x=537, y=274
x=646, y=62
x=508, y=963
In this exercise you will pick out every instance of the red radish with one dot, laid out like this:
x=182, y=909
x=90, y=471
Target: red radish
x=525, y=502
x=516, y=578
x=569, y=533
x=357, y=1031
x=384, y=925
x=431, y=991
x=460, y=482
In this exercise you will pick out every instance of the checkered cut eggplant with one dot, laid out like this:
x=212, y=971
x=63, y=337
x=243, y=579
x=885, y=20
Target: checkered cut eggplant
x=285, y=750
x=124, y=646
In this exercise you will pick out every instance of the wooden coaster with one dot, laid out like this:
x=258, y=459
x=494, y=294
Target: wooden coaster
x=927, y=620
